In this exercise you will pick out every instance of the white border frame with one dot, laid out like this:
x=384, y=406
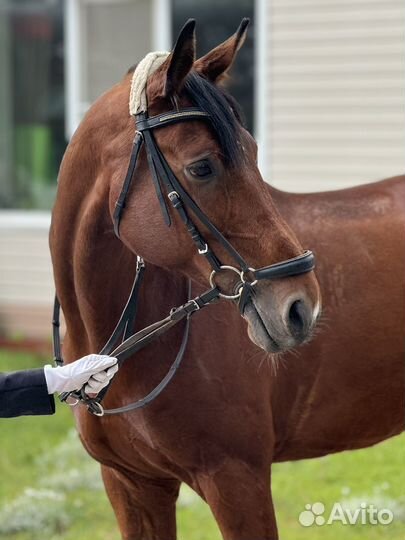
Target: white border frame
x=162, y=25
x=72, y=65
x=262, y=85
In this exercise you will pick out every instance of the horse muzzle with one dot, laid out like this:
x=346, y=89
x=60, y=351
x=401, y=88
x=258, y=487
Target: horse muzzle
x=277, y=322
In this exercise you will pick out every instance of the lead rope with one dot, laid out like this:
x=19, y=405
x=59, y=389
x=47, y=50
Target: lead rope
x=57, y=352
x=123, y=327
x=133, y=344
x=97, y=409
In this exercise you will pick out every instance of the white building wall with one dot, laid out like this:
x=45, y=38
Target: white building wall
x=103, y=39
x=332, y=101
x=26, y=282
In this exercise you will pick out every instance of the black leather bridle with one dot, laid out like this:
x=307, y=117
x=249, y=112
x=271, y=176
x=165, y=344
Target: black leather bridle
x=168, y=188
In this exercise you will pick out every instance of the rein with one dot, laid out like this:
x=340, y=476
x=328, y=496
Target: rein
x=181, y=201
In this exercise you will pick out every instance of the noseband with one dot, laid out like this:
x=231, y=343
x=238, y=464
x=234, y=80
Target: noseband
x=169, y=189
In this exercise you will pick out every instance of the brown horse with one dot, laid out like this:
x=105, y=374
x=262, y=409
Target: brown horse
x=228, y=414
x=347, y=387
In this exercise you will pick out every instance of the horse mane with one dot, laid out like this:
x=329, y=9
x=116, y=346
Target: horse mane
x=225, y=114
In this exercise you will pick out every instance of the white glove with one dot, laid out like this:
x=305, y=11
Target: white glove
x=94, y=369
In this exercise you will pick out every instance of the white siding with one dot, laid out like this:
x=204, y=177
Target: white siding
x=103, y=39
x=26, y=282
x=333, y=101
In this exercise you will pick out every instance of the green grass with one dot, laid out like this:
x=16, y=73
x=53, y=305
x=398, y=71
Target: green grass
x=51, y=489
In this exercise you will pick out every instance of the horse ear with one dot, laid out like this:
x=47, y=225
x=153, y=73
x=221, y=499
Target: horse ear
x=217, y=62
x=181, y=59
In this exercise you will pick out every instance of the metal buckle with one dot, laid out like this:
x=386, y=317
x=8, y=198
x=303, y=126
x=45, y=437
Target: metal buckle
x=140, y=263
x=92, y=407
x=214, y=285
x=72, y=401
x=172, y=195
x=204, y=250
x=197, y=307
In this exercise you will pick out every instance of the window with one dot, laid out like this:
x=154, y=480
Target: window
x=216, y=21
x=32, y=138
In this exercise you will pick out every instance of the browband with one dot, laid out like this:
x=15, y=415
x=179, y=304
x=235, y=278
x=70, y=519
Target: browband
x=160, y=120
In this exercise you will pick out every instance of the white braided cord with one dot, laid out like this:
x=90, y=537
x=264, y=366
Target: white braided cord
x=148, y=65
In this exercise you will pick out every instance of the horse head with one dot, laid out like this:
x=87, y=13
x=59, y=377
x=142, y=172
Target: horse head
x=212, y=159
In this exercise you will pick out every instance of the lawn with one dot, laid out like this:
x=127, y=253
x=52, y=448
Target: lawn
x=51, y=489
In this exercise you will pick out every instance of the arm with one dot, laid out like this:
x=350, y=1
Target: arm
x=31, y=392
x=25, y=393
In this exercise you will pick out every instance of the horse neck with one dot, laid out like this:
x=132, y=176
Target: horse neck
x=93, y=269
x=105, y=271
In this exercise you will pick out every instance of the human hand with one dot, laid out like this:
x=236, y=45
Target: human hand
x=94, y=369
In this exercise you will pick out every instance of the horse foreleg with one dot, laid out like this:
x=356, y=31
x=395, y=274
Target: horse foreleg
x=145, y=508
x=240, y=499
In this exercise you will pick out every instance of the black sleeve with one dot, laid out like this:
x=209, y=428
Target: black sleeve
x=25, y=393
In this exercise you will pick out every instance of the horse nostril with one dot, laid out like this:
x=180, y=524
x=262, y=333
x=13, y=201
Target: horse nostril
x=298, y=319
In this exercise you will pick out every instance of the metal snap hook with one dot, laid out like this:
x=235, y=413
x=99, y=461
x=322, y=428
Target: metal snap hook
x=232, y=269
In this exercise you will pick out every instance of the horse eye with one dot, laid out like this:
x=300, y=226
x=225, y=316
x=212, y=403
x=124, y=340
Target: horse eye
x=201, y=169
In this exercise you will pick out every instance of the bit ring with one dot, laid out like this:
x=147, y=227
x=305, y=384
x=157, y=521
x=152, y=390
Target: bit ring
x=244, y=280
x=232, y=269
